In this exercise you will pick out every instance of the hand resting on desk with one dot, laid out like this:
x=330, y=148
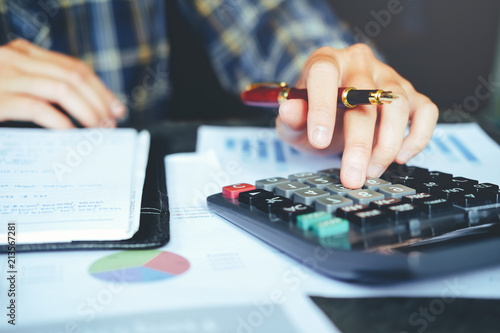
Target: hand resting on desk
x=370, y=140
x=33, y=79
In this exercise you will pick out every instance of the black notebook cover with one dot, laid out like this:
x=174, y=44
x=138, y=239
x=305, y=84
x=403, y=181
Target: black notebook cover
x=154, y=228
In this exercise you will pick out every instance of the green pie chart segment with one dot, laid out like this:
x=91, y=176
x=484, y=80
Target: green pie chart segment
x=139, y=266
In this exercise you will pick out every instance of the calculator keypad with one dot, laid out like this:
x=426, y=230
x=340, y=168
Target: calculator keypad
x=317, y=204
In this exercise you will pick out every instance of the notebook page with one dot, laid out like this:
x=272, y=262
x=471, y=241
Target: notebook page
x=71, y=185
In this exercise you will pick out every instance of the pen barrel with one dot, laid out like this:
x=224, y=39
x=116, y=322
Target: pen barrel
x=272, y=97
x=355, y=97
x=261, y=97
x=302, y=94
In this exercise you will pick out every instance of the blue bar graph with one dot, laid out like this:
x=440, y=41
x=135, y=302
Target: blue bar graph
x=262, y=150
x=444, y=148
x=278, y=149
x=464, y=150
x=246, y=147
x=230, y=144
x=441, y=145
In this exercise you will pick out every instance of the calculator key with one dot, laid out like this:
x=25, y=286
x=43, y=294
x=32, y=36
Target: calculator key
x=418, y=171
x=308, y=195
x=440, y=177
x=405, y=170
x=451, y=193
x=288, y=189
x=395, y=167
x=463, y=182
x=484, y=188
x=403, y=180
x=369, y=217
x=396, y=191
x=432, y=207
x=269, y=184
x=332, y=202
x=469, y=200
x=347, y=211
x=233, y=191
x=388, y=176
x=302, y=176
x=249, y=197
x=375, y=183
x=338, y=189
x=306, y=221
x=430, y=187
x=289, y=213
x=320, y=182
x=269, y=205
x=331, y=227
x=332, y=173
x=403, y=211
x=364, y=196
x=417, y=197
x=384, y=203
x=494, y=196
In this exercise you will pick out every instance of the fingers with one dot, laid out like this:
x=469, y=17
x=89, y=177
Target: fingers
x=294, y=113
x=359, y=128
x=424, y=115
x=55, y=92
x=72, y=72
x=77, y=80
x=322, y=85
x=25, y=108
x=393, y=122
x=359, y=122
x=297, y=138
x=291, y=126
x=371, y=140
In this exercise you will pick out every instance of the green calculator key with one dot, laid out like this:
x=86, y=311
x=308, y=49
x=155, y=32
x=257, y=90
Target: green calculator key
x=331, y=227
x=306, y=221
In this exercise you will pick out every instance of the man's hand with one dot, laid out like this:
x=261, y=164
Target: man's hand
x=32, y=79
x=370, y=139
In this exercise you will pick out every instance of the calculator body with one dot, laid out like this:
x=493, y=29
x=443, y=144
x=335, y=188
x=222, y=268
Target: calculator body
x=407, y=240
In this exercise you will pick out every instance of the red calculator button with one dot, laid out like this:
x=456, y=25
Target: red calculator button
x=233, y=191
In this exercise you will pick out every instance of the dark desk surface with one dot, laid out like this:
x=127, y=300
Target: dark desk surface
x=373, y=314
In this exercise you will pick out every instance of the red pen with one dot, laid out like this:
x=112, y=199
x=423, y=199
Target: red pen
x=272, y=94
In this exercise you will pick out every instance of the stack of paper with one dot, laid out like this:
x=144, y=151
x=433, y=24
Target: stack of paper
x=75, y=185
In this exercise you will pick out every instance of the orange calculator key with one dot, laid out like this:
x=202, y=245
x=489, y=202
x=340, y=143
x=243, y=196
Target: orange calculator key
x=233, y=191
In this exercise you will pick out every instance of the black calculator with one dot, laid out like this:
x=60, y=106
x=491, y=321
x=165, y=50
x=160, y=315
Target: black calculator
x=410, y=223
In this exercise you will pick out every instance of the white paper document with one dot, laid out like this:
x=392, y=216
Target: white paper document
x=460, y=149
x=210, y=277
x=258, y=152
x=464, y=150
x=61, y=186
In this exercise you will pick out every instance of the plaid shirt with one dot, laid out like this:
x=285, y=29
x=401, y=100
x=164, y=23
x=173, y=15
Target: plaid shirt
x=126, y=42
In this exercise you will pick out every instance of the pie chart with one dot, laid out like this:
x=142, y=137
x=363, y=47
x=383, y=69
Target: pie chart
x=139, y=266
